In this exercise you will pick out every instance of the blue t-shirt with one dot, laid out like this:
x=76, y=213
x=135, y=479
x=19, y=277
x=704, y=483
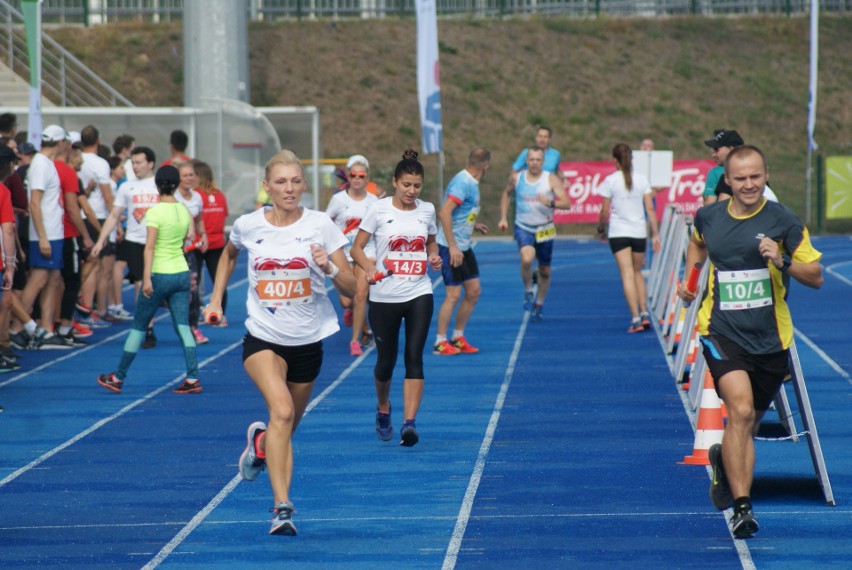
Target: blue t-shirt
x=463, y=189
x=552, y=158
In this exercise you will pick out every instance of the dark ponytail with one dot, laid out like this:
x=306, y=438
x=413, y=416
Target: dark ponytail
x=622, y=153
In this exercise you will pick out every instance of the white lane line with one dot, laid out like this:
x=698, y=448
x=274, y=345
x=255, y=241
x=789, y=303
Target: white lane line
x=453, y=548
x=830, y=270
x=828, y=360
x=97, y=425
x=221, y=495
x=202, y=514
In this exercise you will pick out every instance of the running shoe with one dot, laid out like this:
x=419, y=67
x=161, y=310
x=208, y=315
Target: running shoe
x=347, y=317
x=20, y=340
x=408, y=434
x=743, y=523
x=81, y=330
x=635, y=326
x=282, y=519
x=188, y=387
x=7, y=365
x=355, y=349
x=72, y=340
x=199, y=337
x=82, y=307
x=367, y=340
x=107, y=317
x=384, y=429
x=120, y=314
x=646, y=320
x=528, y=300
x=464, y=346
x=51, y=341
x=720, y=491
x=535, y=315
x=110, y=382
x=93, y=321
x=150, y=339
x=9, y=354
x=444, y=348
x=250, y=463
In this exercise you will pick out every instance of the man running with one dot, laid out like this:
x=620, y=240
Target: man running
x=754, y=246
x=537, y=193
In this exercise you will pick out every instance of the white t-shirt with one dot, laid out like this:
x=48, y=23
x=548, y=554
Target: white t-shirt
x=136, y=196
x=194, y=204
x=96, y=168
x=287, y=303
x=42, y=175
x=400, y=237
x=530, y=213
x=347, y=214
x=627, y=218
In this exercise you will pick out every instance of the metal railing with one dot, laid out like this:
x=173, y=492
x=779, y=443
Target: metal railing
x=88, y=12
x=65, y=81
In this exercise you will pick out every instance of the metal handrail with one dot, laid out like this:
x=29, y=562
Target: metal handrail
x=65, y=79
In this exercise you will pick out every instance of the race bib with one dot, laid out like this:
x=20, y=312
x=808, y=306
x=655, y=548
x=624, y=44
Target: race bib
x=282, y=287
x=747, y=289
x=545, y=233
x=408, y=265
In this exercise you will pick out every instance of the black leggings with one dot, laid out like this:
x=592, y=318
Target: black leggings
x=211, y=260
x=386, y=320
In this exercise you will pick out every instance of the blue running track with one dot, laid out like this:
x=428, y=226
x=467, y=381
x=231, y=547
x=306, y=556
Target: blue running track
x=556, y=446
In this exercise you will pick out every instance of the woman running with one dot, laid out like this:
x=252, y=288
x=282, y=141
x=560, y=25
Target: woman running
x=629, y=195
x=165, y=277
x=291, y=250
x=347, y=209
x=404, y=231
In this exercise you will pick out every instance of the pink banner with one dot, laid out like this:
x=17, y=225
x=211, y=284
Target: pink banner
x=583, y=178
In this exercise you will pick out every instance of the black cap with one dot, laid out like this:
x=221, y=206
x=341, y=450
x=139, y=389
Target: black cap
x=167, y=177
x=7, y=155
x=27, y=148
x=724, y=137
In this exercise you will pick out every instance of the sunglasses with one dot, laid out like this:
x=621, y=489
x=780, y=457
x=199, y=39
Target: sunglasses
x=357, y=175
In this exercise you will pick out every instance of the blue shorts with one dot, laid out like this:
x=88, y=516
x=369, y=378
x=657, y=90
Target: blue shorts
x=455, y=276
x=543, y=250
x=38, y=261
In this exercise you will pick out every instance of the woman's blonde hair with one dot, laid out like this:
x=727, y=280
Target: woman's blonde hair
x=283, y=158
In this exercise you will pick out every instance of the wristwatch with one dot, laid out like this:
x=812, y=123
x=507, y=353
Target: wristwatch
x=786, y=261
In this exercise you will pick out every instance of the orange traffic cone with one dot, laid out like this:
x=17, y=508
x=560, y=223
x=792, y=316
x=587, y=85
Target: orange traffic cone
x=710, y=427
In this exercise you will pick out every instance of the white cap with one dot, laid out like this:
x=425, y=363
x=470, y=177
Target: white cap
x=357, y=159
x=74, y=137
x=53, y=133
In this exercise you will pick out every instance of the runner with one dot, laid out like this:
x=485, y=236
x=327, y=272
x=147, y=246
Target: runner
x=403, y=227
x=754, y=246
x=537, y=193
x=629, y=196
x=347, y=209
x=291, y=250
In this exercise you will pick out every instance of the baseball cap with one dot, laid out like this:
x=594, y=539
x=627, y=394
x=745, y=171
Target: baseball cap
x=167, y=177
x=74, y=136
x=357, y=159
x=27, y=147
x=53, y=133
x=724, y=137
x=7, y=155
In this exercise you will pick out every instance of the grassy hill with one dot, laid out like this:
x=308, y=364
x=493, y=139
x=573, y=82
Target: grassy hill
x=595, y=82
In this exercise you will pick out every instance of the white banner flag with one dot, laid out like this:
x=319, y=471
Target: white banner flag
x=428, y=82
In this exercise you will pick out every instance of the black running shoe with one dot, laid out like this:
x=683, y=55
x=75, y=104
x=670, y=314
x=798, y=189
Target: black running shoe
x=408, y=434
x=720, y=491
x=150, y=339
x=743, y=523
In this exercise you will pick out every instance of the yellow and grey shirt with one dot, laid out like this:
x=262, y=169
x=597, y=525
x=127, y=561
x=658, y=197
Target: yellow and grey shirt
x=746, y=296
